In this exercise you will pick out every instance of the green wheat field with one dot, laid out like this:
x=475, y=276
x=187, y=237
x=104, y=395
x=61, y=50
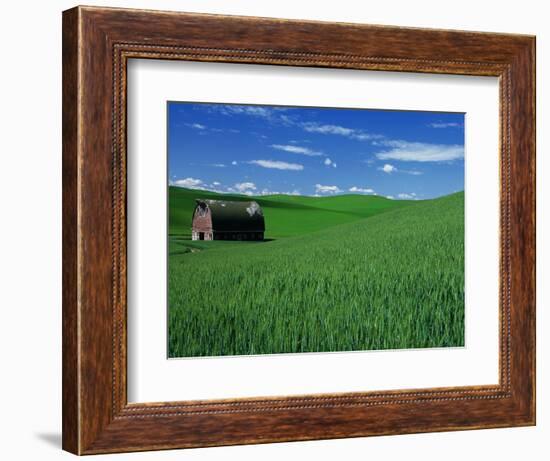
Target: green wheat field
x=342, y=273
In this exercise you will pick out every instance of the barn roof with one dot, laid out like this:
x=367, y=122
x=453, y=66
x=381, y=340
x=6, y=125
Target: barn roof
x=246, y=216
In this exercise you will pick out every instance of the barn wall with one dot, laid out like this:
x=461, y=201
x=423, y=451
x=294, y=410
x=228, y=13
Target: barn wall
x=202, y=224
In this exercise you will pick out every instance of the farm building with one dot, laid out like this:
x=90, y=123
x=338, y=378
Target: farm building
x=227, y=220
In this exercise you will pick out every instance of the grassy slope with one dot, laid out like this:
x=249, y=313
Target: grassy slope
x=395, y=280
x=285, y=215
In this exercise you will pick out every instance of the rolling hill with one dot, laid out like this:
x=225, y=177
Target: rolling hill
x=351, y=278
x=285, y=215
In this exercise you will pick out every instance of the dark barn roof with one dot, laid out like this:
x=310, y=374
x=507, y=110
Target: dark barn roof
x=235, y=216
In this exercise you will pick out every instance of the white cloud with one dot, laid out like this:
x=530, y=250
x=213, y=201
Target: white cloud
x=203, y=129
x=286, y=119
x=272, y=192
x=190, y=183
x=327, y=129
x=277, y=165
x=421, y=152
x=256, y=110
x=352, y=133
x=404, y=196
x=361, y=190
x=197, y=126
x=444, y=125
x=233, y=162
x=218, y=165
x=387, y=168
x=272, y=114
x=320, y=189
x=248, y=110
x=302, y=141
x=328, y=162
x=296, y=150
x=390, y=197
x=222, y=130
x=245, y=187
x=334, y=164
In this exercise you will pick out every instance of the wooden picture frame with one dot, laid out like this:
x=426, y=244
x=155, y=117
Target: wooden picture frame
x=97, y=43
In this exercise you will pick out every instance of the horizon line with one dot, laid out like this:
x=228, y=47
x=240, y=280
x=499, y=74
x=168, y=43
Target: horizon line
x=344, y=194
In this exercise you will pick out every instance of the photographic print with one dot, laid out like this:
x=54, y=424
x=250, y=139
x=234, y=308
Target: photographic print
x=311, y=229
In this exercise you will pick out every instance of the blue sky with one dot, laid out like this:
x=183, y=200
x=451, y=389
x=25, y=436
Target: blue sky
x=259, y=150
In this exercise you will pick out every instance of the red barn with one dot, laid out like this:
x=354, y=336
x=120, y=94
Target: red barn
x=227, y=220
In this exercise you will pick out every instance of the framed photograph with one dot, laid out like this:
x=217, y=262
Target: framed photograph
x=282, y=230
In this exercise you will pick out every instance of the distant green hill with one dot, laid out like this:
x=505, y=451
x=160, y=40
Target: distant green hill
x=285, y=215
x=393, y=280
